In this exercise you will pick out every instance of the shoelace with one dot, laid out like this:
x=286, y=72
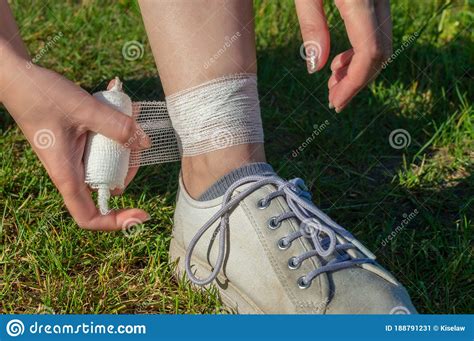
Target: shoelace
x=314, y=224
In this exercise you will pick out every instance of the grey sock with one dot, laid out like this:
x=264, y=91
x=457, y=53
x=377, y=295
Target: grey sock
x=220, y=186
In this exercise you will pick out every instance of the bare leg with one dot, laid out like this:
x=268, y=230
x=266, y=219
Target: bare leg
x=185, y=36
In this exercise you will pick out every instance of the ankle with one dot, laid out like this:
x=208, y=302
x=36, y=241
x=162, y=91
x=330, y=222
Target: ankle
x=201, y=171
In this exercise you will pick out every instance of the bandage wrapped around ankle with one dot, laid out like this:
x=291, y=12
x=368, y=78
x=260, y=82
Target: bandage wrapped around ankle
x=218, y=114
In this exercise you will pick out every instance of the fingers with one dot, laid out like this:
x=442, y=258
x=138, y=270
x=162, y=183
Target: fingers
x=362, y=29
x=111, y=84
x=341, y=60
x=105, y=120
x=63, y=162
x=361, y=25
x=315, y=32
x=339, y=67
x=78, y=200
x=131, y=171
x=337, y=76
x=130, y=175
x=80, y=203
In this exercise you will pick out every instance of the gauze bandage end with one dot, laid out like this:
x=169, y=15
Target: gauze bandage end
x=154, y=120
x=106, y=161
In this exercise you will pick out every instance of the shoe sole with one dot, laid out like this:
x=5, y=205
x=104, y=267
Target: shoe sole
x=231, y=297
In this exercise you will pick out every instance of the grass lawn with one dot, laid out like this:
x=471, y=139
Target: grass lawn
x=412, y=206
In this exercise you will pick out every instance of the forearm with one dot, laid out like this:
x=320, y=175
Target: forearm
x=12, y=48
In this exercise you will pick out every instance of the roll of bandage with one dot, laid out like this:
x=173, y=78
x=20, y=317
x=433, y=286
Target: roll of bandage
x=106, y=161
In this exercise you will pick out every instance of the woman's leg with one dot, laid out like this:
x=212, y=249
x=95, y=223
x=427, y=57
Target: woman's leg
x=194, y=42
x=273, y=252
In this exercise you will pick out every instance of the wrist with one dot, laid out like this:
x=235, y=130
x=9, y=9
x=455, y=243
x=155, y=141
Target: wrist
x=11, y=64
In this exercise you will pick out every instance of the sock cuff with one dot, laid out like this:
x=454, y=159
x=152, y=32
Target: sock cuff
x=220, y=186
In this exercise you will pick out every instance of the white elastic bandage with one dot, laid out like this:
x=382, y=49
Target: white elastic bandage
x=218, y=114
x=106, y=161
x=155, y=122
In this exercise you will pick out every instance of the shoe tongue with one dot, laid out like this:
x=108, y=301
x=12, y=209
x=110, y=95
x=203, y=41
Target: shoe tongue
x=220, y=186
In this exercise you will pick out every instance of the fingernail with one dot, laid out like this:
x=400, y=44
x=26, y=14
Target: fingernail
x=143, y=139
x=330, y=105
x=144, y=142
x=312, y=59
x=338, y=110
x=140, y=220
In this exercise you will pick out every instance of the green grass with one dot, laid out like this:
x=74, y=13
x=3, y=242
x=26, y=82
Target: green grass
x=47, y=264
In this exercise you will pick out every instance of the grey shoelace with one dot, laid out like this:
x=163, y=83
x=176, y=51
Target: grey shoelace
x=314, y=224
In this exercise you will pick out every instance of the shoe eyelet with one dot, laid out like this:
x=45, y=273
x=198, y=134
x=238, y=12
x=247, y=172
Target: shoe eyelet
x=282, y=245
x=302, y=283
x=272, y=224
x=292, y=265
x=263, y=204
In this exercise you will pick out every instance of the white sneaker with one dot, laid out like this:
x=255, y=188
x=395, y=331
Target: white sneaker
x=269, y=250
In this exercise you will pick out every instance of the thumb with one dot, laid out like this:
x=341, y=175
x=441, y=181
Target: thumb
x=315, y=32
x=105, y=120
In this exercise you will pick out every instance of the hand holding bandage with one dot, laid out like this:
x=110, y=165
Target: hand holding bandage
x=56, y=115
x=109, y=165
x=106, y=161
